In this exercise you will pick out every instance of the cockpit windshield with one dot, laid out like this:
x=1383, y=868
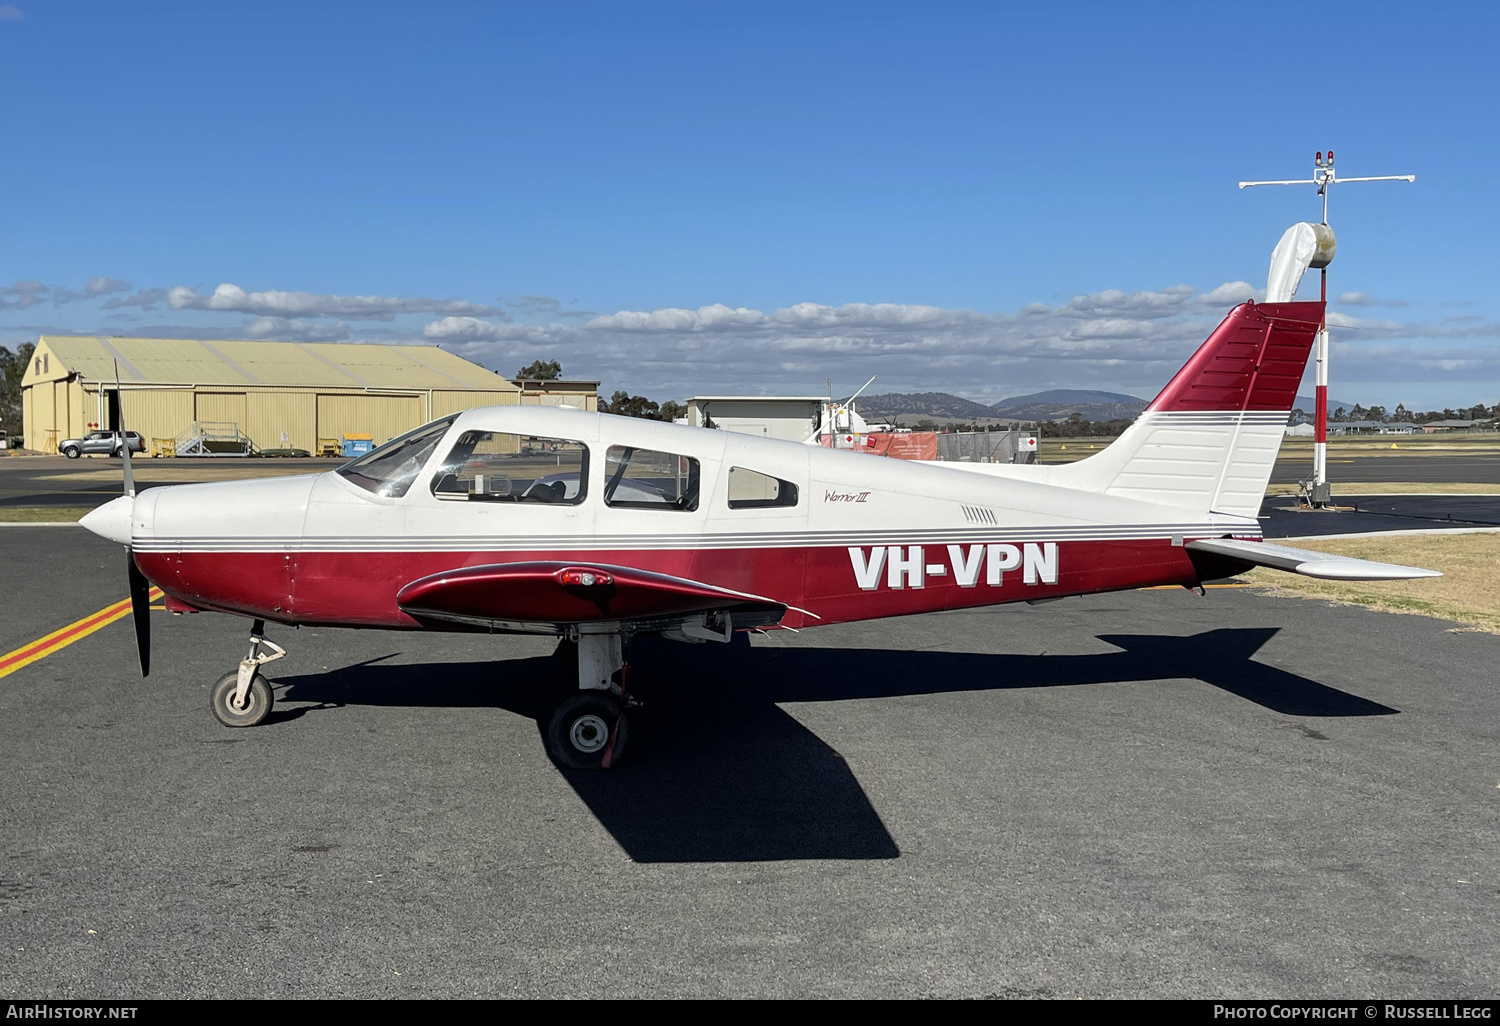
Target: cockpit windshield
x=390, y=469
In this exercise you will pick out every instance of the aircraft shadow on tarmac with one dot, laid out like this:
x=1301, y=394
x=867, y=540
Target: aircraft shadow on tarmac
x=724, y=775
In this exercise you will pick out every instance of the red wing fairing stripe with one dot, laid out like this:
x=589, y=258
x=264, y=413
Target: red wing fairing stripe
x=559, y=592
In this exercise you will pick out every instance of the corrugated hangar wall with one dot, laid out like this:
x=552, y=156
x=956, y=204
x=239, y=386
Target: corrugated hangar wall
x=286, y=418
x=382, y=416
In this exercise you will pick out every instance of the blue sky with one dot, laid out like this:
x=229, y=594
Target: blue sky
x=985, y=199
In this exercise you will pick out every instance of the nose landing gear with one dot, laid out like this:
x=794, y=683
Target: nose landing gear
x=243, y=698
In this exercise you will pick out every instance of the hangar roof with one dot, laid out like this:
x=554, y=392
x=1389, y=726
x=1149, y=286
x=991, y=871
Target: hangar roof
x=181, y=361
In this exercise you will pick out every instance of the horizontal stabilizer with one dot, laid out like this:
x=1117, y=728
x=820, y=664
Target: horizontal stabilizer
x=1308, y=563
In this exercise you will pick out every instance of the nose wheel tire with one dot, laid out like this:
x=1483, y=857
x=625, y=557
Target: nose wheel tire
x=258, y=701
x=578, y=734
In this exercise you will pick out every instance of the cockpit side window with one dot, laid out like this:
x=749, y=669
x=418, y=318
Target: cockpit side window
x=497, y=466
x=750, y=489
x=647, y=479
x=390, y=469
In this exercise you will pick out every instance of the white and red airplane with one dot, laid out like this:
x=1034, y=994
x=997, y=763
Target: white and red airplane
x=597, y=529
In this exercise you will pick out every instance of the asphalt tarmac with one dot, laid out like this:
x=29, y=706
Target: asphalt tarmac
x=1284, y=518
x=1467, y=467
x=41, y=481
x=1149, y=794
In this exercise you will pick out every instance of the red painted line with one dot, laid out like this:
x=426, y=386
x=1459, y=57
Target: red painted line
x=58, y=639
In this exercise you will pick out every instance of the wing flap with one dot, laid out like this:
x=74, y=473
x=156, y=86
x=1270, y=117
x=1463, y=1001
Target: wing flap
x=1308, y=563
x=559, y=594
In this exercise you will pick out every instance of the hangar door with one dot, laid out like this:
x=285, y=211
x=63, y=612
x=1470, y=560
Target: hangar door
x=382, y=417
x=220, y=408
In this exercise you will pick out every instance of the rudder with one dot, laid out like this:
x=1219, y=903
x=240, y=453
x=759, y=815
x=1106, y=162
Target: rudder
x=1208, y=441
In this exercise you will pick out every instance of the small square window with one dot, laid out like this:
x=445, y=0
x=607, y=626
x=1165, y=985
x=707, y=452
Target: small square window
x=750, y=489
x=647, y=479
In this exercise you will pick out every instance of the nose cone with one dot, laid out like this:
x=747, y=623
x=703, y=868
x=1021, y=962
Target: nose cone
x=111, y=520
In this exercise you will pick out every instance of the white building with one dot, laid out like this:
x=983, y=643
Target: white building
x=790, y=417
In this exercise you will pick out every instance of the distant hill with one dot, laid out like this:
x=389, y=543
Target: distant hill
x=1054, y=404
x=1062, y=403
x=921, y=404
x=1305, y=403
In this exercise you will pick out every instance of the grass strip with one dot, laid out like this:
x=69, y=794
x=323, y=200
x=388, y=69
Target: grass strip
x=40, y=514
x=1467, y=593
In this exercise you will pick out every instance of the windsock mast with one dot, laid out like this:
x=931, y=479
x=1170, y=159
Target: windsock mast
x=1324, y=177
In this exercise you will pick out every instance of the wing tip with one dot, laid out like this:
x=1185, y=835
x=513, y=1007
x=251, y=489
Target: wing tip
x=1362, y=570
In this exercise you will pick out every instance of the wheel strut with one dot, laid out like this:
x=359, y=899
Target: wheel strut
x=253, y=662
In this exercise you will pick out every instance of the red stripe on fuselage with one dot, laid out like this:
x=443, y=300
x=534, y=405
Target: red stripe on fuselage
x=358, y=589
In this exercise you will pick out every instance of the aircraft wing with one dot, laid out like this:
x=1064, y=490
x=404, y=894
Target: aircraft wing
x=1308, y=563
x=550, y=594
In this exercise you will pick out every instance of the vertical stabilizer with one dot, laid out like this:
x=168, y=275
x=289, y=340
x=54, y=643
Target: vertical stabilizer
x=1208, y=442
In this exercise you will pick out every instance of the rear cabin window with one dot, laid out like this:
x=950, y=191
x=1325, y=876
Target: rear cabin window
x=750, y=489
x=647, y=479
x=496, y=466
x=390, y=469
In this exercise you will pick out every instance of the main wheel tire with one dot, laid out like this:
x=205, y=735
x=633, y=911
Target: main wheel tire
x=72, y=452
x=258, y=700
x=578, y=733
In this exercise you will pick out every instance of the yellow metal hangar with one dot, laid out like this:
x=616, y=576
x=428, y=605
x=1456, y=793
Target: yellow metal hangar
x=281, y=395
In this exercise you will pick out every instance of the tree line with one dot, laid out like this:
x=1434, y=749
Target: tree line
x=1401, y=415
x=622, y=403
x=12, y=369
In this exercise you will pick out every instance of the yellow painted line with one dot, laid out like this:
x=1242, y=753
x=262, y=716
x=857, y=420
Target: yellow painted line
x=42, y=647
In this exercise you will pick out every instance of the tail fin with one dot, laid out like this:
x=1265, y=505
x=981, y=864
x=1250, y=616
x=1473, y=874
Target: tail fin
x=1209, y=440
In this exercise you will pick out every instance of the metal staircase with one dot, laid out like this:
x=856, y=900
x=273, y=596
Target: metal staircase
x=214, y=438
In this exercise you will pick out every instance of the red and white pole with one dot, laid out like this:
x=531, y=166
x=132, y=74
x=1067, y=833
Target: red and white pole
x=1320, y=422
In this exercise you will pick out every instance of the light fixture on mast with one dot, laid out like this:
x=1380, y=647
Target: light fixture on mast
x=1324, y=177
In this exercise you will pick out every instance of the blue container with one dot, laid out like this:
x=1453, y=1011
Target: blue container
x=357, y=446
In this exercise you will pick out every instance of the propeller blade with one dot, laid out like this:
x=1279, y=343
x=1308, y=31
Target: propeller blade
x=124, y=438
x=140, y=608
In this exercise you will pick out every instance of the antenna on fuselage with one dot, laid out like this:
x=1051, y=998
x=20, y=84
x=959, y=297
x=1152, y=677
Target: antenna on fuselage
x=855, y=396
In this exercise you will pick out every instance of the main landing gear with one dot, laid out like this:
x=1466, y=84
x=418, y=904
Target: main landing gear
x=589, y=730
x=242, y=698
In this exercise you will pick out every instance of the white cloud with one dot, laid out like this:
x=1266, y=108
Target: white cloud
x=1230, y=293
x=10, y=12
x=288, y=329
x=22, y=295
x=1113, y=303
x=673, y=319
x=1113, y=339
x=1110, y=339
x=146, y=299
x=100, y=285
x=1131, y=342
x=472, y=329
x=231, y=298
